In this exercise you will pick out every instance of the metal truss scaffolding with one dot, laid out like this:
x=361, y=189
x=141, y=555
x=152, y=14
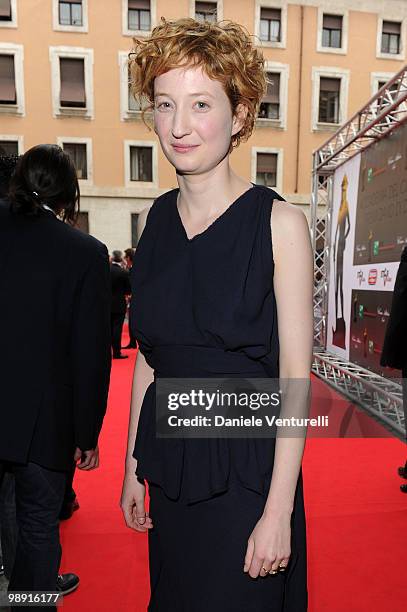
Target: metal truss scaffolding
x=384, y=112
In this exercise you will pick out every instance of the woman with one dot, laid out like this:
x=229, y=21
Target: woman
x=226, y=520
x=55, y=355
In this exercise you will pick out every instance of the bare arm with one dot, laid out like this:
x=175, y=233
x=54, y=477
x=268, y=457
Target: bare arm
x=143, y=375
x=269, y=545
x=293, y=284
x=132, y=499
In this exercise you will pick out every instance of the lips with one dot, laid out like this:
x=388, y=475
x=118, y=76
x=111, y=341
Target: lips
x=184, y=148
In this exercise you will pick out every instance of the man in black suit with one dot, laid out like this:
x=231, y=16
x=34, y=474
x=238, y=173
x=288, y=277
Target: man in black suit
x=129, y=257
x=120, y=284
x=55, y=358
x=394, y=352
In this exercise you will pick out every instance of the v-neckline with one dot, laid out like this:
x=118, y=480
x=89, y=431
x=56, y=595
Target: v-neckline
x=221, y=216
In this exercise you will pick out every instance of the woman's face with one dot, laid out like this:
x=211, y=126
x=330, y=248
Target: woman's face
x=193, y=119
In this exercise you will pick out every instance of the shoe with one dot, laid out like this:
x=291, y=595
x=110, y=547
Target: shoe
x=66, y=583
x=130, y=346
x=403, y=488
x=402, y=472
x=67, y=510
x=120, y=356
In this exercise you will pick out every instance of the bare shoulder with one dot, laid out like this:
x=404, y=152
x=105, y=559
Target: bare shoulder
x=285, y=213
x=289, y=228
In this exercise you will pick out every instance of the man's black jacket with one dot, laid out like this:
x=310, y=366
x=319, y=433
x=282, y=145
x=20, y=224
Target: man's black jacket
x=394, y=352
x=54, y=339
x=120, y=279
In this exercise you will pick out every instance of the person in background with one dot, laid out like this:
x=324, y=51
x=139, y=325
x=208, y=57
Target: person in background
x=394, y=352
x=120, y=287
x=55, y=359
x=129, y=257
x=8, y=522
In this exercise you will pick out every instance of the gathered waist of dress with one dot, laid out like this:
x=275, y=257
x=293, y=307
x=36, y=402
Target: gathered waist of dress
x=202, y=361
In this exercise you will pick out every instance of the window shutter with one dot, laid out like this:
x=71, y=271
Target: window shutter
x=72, y=82
x=273, y=14
x=328, y=84
x=391, y=27
x=5, y=9
x=139, y=4
x=333, y=22
x=7, y=80
x=266, y=162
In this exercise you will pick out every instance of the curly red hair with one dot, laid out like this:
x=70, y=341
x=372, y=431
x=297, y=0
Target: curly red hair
x=223, y=49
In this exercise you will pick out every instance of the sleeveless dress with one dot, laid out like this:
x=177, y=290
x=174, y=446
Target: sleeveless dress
x=205, y=307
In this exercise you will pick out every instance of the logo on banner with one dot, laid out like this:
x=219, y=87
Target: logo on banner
x=361, y=277
x=385, y=274
x=372, y=278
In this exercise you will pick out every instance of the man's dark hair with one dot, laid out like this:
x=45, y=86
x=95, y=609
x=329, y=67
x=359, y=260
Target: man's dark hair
x=45, y=174
x=7, y=166
x=117, y=256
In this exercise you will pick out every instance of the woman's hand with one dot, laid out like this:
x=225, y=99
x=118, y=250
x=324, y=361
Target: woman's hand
x=269, y=544
x=132, y=503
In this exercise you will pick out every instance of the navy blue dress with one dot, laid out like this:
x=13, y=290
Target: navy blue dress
x=205, y=307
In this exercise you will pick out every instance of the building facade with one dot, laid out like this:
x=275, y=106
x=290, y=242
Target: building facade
x=64, y=80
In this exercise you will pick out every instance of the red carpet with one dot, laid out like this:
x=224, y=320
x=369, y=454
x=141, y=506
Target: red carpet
x=356, y=519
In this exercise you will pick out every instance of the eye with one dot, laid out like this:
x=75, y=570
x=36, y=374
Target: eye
x=161, y=105
x=205, y=105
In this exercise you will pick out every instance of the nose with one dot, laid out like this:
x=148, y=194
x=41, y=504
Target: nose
x=180, y=124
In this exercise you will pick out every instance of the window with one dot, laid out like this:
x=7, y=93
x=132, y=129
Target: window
x=384, y=100
x=77, y=152
x=72, y=81
x=82, y=222
x=139, y=15
x=392, y=89
x=206, y=11
x=8, y=147
x=72, y=91
x=8, y=13
x=130, y=109
x=266, y=169
x=270, y=24
x=270, y=105
x=133, y=104
x=11, y=79
x=8, y=94
x=5, y=10
x=329, y=93
x=332, y=31
x=134, y=232
x=391, y=32
x=141, y=164
x=70, y=13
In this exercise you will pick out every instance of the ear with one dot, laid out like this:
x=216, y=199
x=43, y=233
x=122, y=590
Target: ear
x=239, y=118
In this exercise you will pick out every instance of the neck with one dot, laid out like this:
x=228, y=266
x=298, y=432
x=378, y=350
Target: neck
x=207, y=195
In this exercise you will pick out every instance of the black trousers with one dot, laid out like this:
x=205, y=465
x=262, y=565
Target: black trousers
x=117, y=320
x=133, y=340
x=8, y=523
x=39, y=493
